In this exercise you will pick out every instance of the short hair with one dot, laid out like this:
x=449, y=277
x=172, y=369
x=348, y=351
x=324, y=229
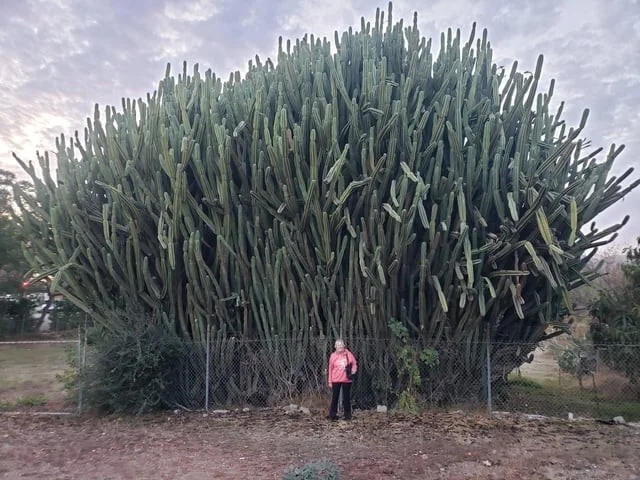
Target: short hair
x=339, y=342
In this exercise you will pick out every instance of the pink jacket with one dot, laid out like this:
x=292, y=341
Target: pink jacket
x=337, y=366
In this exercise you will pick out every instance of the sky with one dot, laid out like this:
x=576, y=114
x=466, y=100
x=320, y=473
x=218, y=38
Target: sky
x=58, y=58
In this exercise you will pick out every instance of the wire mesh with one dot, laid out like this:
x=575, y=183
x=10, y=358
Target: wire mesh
x=556, y=378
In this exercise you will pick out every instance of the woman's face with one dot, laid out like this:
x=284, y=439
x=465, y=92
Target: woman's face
x=339, y=346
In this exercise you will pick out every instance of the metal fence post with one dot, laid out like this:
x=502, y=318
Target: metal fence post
x=79, y=360
x=83, y=364
x=488, y=355
x=207, y=368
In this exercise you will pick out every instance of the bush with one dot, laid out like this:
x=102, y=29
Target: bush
x=411, y=362
x=133, y=370
x=578, y=358
x=320, y=470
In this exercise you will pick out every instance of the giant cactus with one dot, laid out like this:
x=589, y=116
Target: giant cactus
x=327, y=193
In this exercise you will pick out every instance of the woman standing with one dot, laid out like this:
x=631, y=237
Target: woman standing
x=342, y=368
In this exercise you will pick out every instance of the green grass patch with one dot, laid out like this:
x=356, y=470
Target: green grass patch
x=22, y=402
x=629, y=410
x=547, y=397
x=31, y=401
x=525, y=382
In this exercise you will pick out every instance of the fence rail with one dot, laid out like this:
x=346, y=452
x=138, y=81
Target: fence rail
x=562, y=377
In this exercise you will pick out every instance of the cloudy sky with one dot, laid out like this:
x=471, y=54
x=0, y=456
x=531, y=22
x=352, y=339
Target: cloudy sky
x=58, y=58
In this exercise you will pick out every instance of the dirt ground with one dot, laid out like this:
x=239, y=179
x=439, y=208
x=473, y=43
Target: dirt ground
x=260, y=444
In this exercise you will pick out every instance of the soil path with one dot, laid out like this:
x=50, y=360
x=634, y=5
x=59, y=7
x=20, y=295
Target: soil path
x=261, y=444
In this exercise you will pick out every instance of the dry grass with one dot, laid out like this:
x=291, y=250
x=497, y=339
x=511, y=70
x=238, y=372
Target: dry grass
x=544, y=367
x=316, y=402
x=30, y=370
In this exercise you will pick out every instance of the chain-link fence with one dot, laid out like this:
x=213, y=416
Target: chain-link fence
x=561, y=379
x=232, y=373
x=577, y=378
x=556, y=378
x=553, y=379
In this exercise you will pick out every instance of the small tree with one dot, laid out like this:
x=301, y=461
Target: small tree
x=578, y=359
x=411, y=360
x=616, y=323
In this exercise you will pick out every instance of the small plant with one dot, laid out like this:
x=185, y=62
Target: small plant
x=31, y=401
x=578, y=359
x=69, y=377
x=319, y=470
x=410, y=360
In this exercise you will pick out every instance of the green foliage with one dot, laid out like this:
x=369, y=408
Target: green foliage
x=31, y=401
x=576, y=357
x=70, y=377
x=411, y=360
x=15, y=315
x=617, y=321
x=319, y=470
x=22, y=402
x=133, y=370
x=12, y=262
x=524, y=382
x=14, y=310
x=569, y=361
x=320, y=196
x=10, y=250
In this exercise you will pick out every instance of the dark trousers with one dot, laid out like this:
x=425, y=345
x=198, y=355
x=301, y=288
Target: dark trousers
x=346, y=399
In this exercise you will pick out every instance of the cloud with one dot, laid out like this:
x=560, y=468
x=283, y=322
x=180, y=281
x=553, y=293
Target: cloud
x=38, y=41
x=191, y=11
x=177, y=26
x=308, y=16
